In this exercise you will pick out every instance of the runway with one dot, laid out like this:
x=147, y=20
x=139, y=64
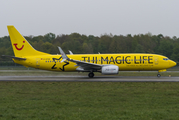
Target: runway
x=71, y=78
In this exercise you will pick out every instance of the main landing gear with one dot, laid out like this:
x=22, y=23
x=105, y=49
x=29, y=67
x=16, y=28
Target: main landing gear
x=91, y=75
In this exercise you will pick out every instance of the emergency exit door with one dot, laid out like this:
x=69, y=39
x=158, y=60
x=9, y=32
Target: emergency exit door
x=156, y=60
x=38, y=62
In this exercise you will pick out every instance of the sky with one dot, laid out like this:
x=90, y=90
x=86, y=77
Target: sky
x=90, y=17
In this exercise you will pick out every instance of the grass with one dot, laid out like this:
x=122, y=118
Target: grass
x=89, y=100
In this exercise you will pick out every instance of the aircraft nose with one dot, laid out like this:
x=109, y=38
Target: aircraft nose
x=172, y=63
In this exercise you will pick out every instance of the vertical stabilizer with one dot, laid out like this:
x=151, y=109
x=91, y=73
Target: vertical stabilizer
x=20, y=45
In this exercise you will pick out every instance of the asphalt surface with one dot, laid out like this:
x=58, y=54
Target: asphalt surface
x=71, y=78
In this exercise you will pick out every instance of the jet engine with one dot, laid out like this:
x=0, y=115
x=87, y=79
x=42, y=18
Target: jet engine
x=110, y=69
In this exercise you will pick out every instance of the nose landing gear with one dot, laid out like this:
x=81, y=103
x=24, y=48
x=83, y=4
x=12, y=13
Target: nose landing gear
x=158, y=75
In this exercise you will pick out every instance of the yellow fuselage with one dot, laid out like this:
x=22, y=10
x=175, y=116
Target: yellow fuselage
x=125, y=62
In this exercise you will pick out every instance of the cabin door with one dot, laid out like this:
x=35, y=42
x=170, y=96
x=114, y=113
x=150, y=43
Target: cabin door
x=38, y=62
x=156, y=60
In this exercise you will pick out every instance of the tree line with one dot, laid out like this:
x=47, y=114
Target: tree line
x=107, y=43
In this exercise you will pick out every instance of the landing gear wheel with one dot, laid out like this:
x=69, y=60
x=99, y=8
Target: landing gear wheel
x=91, y=75
x=158, y=75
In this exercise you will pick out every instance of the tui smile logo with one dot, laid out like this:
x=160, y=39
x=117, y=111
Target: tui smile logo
x=15, y=44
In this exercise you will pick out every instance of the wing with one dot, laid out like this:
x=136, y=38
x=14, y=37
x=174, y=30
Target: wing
x=83, y=66
x=86, y=66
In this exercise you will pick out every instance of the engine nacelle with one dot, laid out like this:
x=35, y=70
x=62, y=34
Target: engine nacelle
x=110, y=69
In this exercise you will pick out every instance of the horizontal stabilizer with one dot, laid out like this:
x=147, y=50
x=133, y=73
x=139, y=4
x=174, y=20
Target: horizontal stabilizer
x=17, y=58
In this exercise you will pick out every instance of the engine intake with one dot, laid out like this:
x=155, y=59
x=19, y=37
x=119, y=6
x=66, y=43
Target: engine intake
x=110, y=69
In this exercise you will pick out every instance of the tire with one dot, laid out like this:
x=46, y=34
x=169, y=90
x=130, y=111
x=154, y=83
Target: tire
x=158, y=75
x=91, y=75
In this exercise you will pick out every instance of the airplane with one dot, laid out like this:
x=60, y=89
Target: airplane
x=107, y=64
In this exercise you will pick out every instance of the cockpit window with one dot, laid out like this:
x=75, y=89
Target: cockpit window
x=165, y=59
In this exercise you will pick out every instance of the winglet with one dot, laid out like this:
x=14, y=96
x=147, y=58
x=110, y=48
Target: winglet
x=63, y=55
x=70, y=52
